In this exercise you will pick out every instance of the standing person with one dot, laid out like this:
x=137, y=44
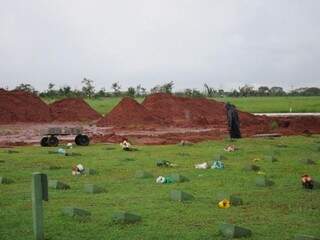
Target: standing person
x=233, y=121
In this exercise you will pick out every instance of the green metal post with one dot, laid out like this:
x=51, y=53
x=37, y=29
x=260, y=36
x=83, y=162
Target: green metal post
x=39, y=193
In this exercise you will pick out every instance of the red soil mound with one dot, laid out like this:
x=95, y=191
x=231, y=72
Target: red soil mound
x=19, y=106
x=72, y=110
x=130, y=114
x=186, y=112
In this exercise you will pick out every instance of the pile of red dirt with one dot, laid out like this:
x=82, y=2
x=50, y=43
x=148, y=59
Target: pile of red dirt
x=72, y=110
x=184, y=111
x=20, y=106
x=130, y=114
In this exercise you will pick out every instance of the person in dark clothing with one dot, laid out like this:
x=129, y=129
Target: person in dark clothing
x=233, y=121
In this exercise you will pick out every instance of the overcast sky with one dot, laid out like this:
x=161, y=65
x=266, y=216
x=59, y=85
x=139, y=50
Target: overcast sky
x=224, y=43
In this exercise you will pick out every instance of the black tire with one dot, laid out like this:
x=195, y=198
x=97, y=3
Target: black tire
x=44, y=142
x=82, y=140
x=53, y=141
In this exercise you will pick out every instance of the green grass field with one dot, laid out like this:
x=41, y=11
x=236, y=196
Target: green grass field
x=249, y=104
x=276, y=212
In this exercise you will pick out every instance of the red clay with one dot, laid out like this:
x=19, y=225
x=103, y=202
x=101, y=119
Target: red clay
x=19, y=106
x=73, y=110
x=130, y=114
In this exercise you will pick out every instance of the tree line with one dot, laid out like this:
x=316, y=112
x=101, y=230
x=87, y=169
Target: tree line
x=88, y=90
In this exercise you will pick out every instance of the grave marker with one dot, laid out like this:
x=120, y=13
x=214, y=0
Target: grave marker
x=263, y=181
x=233, y=231
x=178, y=178
x=58, y=185
x=305, y=237
x=4, y=180
x=93, y=189
x=180, y=196
x=75, y=212
x=143, y=174
x=125, y=218
x=235, y=200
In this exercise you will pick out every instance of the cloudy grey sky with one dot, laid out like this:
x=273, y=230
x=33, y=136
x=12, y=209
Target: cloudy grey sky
x=224, y=43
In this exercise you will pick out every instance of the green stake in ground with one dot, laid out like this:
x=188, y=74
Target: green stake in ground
x=125, y=218
x=58, y=185
x=180, y=196
x=233, y=231
x=39, y=194
x=75, y=212
x=263, y=181
x=93, y=189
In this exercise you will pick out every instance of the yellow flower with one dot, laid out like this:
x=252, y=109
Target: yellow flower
x=224, y=203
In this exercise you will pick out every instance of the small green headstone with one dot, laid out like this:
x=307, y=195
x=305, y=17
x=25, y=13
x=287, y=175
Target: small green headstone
x=180, y=196
x=308, y=161
x=219, y=157
x=178, y=178
x=270, y=158
x=91, y=188
x=12, y=151
x=282, y=145
x=125, y=218
x=143, y=174
x=90, y=171
x=233, y=231
x=4, y=180
x=305, y=237
x=263, y=181
x=54, y=167
x=75, y=212
x=58, y=185
x=251, y=167
x=235, y=200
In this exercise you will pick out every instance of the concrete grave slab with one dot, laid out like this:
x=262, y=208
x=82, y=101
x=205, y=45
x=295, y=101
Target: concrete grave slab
x=251, y=167
x=93, y=189
x=233, y=231
x=5, y=180
x=143, y=174
x=305, y=237
x=235, y=200
x=75, y=212
x=180, y=196
x=90, y=171
x=263, y=181
x=125, y=218
x=219, y=157
x=307, y=161
x=179, y=178
x=270, y=158
x=55, y=184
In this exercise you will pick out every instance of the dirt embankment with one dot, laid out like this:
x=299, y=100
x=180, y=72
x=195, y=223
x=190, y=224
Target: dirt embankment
x=160, y=119
x=18, y=106
x=24, y=107
x=129, y=114
x=72, y=110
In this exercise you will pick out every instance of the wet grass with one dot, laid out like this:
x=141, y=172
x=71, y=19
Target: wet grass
x=277, y=212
